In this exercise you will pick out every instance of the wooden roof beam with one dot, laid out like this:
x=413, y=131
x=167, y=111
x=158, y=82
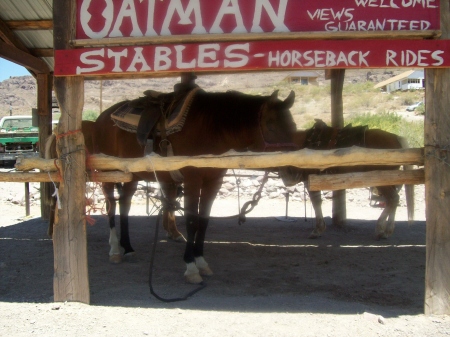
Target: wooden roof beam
x=42, y=52
x=8, y=36
x=13, y=54
x=29, y=24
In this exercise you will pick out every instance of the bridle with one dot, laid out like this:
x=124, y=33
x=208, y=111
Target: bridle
x=266, y=144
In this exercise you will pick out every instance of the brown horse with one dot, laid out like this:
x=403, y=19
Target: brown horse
x=323, y=137
x=216, y=123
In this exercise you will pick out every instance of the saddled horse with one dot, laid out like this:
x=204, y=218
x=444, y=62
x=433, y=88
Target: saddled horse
x=323, y=137
x=214, y=124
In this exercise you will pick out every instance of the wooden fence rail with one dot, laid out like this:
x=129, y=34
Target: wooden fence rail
x=120, y=169
x=307, y=159
x=334, y=182
x=47, y=177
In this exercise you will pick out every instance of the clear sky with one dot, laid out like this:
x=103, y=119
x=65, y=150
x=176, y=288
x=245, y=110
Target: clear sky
x=8, y=69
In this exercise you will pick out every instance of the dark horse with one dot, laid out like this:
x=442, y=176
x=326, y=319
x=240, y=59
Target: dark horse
x=323, y=137
x=215, y=124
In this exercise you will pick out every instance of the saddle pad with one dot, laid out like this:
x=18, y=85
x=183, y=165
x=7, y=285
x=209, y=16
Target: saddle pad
x=127, y=117
x=351, y=136
x=324, y=137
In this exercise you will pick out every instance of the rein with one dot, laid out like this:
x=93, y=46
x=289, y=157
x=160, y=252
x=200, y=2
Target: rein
x=150, y=274
x=176, y=206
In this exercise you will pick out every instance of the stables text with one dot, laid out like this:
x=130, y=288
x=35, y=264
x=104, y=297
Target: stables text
x=253, y=56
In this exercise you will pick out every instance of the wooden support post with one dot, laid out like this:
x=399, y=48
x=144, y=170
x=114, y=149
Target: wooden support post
x=437, y=182
x=339, y=209
x=44, y=104
x=70, y=281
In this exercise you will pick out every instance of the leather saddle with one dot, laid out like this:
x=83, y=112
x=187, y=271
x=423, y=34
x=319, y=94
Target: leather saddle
x=142, y=115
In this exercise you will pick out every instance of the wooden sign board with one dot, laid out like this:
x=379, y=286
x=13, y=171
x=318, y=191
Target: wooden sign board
x=253, y=56
x=106, y=20
x=99, y=19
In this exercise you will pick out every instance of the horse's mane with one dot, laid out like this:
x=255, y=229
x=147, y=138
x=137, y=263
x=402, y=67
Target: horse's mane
x=227, y=112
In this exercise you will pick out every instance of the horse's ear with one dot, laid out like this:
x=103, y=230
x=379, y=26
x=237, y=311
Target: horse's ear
x=289, y=101
x=274, y=97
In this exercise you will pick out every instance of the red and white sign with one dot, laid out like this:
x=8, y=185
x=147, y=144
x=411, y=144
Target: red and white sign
x=104, y=19
x=258, y=55
x=98, y=19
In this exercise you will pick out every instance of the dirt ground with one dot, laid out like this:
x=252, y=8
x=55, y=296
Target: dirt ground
x=270, y=280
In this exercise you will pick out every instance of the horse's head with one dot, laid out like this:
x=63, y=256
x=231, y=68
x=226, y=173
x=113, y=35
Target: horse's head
x=276, y=123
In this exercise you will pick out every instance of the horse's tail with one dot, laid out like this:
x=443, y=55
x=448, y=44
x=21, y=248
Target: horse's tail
x=409, y=189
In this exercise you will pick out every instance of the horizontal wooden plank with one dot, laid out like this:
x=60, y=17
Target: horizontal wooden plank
x=202, y=38
x=245, y=160
x=29, y=24
x=22, y=177
x=333, y=182
x=42, y=52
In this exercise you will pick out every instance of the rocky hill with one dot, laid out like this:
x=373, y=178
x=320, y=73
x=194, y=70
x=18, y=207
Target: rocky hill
x=18, y=94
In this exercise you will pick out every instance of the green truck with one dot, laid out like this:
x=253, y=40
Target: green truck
x=17, y=137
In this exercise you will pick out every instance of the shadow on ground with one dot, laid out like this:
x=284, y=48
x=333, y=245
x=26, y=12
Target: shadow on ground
x=264, y=266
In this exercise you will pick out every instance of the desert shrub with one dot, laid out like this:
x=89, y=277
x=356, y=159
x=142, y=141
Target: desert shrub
x=413, y=132
x=363, y=100
x=411, y=97
x=391, y=122
x=358, y=88
x=385, y=121
x=90, y=115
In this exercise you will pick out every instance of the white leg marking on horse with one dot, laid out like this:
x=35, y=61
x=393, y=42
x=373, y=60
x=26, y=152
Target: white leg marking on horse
x=191, y=268
x=192, y=275
x=318, y=229
x=114, y=252
x=203, y=267
x=381, y=224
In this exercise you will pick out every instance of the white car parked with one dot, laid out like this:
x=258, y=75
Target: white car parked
x=414, y=106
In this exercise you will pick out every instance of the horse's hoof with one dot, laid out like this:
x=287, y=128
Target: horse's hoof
x=129, y=256
x=206, y=271
x=193, y=278
x=177, y=238
x=314, y=236
x=381, y=236
x=115, y=258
